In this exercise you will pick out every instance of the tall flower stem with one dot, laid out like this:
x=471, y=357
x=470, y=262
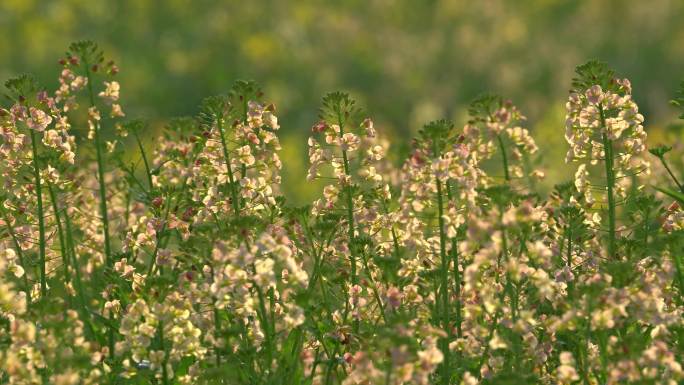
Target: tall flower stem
x=446, y=375
x=60, y=234
x=457, y=273
x=571, y=284
x=165, y=374
x=672, y=175
x=146, y=163
x=78, y=282
x=20, y=253
x=226, y=155
x=444, y=274
x=100, y=171
x=41, y=215
x=350, y=214
x=504, y=157
x=610, y=184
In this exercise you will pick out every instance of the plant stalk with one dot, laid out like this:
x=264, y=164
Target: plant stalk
x=41, y=215
x=610, y=184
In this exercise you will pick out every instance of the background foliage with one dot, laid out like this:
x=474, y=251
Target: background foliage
x=406, y=62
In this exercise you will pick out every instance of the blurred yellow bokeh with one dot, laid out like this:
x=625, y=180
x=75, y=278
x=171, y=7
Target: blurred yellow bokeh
x=406, y=62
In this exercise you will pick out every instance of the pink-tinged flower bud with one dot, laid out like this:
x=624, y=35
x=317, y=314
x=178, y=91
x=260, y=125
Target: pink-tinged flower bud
x=42, y=96
x=417, y=159
x=394, y=296
x=319, y=127
x=673, y=207
x=188, y=214
x=189, y=276
x=157, y=202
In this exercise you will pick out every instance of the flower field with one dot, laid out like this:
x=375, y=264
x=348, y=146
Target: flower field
x=184, y=263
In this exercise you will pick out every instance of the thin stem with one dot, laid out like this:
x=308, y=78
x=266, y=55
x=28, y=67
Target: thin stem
x=60, y=233
x=374, y=287
x=161, y=235
x=350, y=215
x=217, y=317
x=676, y=258
x=669, y=171
x=148, y=173
x=20, y=253
x=41, y=219
x=571, y=284
x=446, y=375
x=85, y=314
x=100, y=172
x=395, y=241
x=457, y=273
x=165, y=374
x=265, y=322
x=231, y=178
x=610, y=183
x=504, y=157
x=485, y=354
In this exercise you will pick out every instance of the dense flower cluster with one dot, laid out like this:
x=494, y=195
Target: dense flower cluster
x=185, y=265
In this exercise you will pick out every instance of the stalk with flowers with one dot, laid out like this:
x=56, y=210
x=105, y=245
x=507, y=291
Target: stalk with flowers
x=176, y=259
x=604, y=125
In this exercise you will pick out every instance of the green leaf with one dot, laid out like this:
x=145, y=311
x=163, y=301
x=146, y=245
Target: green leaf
x=679, y=197
x=338, y=107
x=678, y=101
x=87, y=51
x=21, y=87
x=592, y=73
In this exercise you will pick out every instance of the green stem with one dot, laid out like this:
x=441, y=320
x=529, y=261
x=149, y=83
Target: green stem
x=676, y=258
x=374, y=287
x=100, y=172
x=509, y=289
x=485, y=354
x=41, y=219
x=610, y=184
x=231, y=178
x=318, y=260
x=393, y=233
x=165, y=374
x=20, y=253
x=446, y=375
x=265, y=322
x=148, y=173
x=85, y=313
x=350, y=215
x=504, y=158
x=457, y=273
x=571, y=284
x=160, y=238
x=669, y=171
x=60, y=233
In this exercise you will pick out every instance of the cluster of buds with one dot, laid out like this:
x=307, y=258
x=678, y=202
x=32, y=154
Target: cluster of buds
x=603, y=124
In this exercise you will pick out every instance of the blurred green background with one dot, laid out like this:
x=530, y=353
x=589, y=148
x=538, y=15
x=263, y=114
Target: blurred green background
x=406, y=62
